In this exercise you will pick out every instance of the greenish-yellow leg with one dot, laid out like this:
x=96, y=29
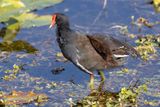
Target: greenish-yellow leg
x=100, y=88
x=103, y=78
x=91, y=84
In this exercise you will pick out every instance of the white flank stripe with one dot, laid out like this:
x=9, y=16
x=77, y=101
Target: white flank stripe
x=77, y=50
x=82, y=67
x=120, y=56
x=78, y=56
x=121, y=47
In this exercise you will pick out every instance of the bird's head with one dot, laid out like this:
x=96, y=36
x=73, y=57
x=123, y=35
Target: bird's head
x=59, y=19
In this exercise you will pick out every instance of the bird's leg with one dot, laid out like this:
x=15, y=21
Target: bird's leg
x=103, y=78
x=91, y=84
x=100, y=88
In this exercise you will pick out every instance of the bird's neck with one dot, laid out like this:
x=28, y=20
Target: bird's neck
x=63, y=26
x=63, y=35
x=63, y=29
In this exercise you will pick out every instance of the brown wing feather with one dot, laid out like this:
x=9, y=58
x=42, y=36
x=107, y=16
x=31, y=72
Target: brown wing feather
x=109, y=46
x=102, y=47
x=122, y=48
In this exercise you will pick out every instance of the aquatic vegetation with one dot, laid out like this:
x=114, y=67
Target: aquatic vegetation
x=125, y=70
x=141, y=22
x=18, y=98
x=147, y=46
x=21, y=10
x=126, y=97
x=156, y=4
x=18, y=46
x=60, y=57
x=11, y=74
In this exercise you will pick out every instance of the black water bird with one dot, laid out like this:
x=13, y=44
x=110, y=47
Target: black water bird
x=90, y=52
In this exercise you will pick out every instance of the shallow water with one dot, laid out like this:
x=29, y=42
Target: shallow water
x=82, y=14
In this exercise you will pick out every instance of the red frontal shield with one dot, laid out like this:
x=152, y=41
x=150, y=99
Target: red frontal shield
x=53, y=21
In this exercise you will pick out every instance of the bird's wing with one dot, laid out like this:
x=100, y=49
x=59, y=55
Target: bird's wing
x=100, y=46
x=106, y=46
x=122, y=48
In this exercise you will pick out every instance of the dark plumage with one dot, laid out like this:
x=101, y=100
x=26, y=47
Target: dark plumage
x=89, y=52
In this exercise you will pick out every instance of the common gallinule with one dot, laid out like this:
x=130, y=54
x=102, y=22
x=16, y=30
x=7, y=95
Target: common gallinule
x=89, y=52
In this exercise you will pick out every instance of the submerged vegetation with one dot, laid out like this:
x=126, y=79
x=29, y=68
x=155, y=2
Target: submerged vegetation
x=20, y=98
x=11, y=74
